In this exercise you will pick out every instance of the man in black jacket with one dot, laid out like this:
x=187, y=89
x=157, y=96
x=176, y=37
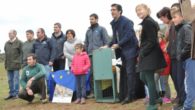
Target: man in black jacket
x=57, y=40
x=44, y=51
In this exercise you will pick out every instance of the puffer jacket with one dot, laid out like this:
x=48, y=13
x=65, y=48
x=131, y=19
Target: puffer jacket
x=80, y=64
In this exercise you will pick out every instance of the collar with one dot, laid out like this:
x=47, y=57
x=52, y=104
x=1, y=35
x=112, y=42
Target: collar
x=94, y=26
x=177, y=27
x=12, y=40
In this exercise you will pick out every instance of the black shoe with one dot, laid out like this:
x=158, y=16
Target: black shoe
x=126, y=101
x=159, y=101
x=177, y=107
x=10, y=97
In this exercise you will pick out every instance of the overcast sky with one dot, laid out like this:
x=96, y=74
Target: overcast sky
x=72, y=14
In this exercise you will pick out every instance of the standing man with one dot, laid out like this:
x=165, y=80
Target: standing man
x=13, y=53
x=125, y=41
x=58, y=39
x=33, y=80
x=96, y=37
x=27, y=46
x=44, y=51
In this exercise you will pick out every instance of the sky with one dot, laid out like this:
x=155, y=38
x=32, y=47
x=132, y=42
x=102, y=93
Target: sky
x=22, y=15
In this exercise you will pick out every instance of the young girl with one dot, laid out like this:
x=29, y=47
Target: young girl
x=80, y=65
x=150, y=55
x=164, y=75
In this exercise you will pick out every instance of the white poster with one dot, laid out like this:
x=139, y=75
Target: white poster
x=62, y=94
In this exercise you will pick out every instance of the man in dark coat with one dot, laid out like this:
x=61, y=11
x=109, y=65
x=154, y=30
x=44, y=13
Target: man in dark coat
x=57, y=40
x=125, y=42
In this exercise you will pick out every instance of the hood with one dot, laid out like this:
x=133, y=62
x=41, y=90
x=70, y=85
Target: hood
x=61, y=35
x=72, y=41
x=82, y=54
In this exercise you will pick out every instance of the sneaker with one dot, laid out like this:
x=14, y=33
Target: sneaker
x=90, y=96
x=166, y=100
x=146, y=100
x=44, y=101
x=77, y=101
x=83, y=101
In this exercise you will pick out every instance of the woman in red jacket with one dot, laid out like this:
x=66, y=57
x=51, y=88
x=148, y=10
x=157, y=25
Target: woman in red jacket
x=80, y=65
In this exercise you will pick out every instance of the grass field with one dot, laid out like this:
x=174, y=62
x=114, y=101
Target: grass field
x=18, y=104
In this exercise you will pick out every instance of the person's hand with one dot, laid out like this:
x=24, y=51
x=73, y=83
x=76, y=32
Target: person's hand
x=165, y=50
x=102, y=47
x=50, y=63
x=30, y=81
x=115, y=46
x=29, y=91
x=63, y=57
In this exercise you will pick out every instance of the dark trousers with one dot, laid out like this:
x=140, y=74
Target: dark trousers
x=81, y=86
x=37, y=86
x=180, y=82
x=128, y=79
x=148, y=78
x=173, y=74
x=58, y=64
x=178, y=75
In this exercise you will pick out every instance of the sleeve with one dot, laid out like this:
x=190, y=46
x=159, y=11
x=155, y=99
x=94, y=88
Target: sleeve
x=150, y=33
x=23, y=79
x=104, y=36
x=128, y=33
x=113, y=41
x=72, y=64
x=41, y=72
x=5, y=63
x=87, y=63
x=52, y=50
x=67, y=55
x=187, y=40
x=21, y=52
x=33, y=48
x=86, y=42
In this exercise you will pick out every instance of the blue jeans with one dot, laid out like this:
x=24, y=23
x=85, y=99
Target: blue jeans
x=81, y=86
x=189, y=66
x=13, y=81
x=48, y=71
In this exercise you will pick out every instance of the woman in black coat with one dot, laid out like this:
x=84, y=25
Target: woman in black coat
x=150, y=56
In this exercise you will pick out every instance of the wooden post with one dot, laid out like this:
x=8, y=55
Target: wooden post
x=188, y=13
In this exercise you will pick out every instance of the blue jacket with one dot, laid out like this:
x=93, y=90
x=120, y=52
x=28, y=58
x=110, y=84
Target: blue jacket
x=44, y=51
x=124, y=36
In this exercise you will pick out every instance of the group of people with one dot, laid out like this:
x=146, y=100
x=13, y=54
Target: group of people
x=154, y=56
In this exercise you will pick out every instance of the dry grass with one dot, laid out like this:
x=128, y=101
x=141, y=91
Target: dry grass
x=91, y=104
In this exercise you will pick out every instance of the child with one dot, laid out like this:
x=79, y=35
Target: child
x=164, y=75
x=183, y=44
x=80, y=65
